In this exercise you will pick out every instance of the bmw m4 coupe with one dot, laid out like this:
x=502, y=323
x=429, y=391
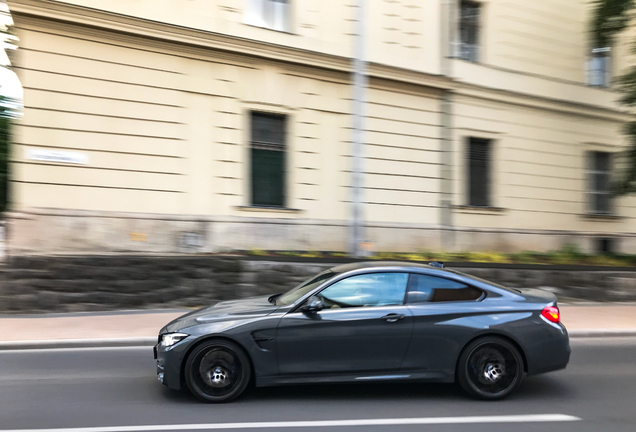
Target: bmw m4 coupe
x=368, y=322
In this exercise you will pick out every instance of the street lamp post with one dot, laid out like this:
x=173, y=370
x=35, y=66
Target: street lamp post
x=356, y=230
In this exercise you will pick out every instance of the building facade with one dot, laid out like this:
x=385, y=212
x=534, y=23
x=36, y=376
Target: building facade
x=211, y=125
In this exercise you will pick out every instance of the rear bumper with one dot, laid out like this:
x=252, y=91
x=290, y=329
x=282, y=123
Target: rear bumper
x=550, y=351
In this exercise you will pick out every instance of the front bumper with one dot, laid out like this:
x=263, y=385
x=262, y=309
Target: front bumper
x=169, y=361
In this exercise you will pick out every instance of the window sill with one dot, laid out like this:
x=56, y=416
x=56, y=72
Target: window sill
x=600, y=86
x=473, y=61
x=479, y=210
x=270, y=28
x=266, y=209
x=602, y=217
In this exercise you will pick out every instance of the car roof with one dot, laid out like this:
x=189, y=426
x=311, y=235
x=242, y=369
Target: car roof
x=379, y=265
x=406, y=266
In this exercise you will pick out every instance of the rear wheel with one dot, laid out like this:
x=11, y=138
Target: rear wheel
x=217, y=371
x=490, y=368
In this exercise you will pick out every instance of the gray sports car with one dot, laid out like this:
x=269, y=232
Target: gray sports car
x=366, y=322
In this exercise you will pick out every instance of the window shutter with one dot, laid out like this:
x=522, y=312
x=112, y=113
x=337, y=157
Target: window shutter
x=479, y=172
x=469, y=30
x=268, y=159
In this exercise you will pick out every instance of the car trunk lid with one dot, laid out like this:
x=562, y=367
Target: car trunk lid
x=538, y=295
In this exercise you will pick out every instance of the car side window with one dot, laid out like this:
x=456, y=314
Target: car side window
x=371, y=289
x=425, y=288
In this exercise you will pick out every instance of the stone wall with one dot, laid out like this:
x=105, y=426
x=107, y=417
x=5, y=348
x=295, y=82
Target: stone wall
x=567, y=283
x=76, y=284
x=99, y=283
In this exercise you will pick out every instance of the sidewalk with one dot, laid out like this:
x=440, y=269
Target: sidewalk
x=134, y=328
x=125, y=328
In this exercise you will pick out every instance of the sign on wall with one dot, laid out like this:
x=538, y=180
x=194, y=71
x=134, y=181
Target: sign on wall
x=59, y=156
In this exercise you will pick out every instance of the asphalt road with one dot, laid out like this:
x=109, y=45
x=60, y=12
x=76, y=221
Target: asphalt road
x=78, y=388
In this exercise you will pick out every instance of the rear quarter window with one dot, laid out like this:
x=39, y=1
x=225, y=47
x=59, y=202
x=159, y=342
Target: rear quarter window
x=432, y=289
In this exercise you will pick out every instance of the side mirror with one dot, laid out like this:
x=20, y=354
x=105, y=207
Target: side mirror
x=314, y=304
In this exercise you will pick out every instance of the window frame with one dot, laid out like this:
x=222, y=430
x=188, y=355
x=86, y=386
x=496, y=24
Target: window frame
x=266, y=17
x=474, y=52
x=482, y=297
x=488, y=182
x=591, y=173
x=260, y=144
x=600, y=77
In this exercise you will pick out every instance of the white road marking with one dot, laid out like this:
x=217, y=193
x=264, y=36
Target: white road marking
x=528, y=418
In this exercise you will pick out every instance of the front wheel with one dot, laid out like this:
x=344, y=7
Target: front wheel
x=490, y=368
x=217, y=371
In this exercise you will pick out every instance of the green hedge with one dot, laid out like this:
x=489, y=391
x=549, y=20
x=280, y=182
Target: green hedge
x=568, y=255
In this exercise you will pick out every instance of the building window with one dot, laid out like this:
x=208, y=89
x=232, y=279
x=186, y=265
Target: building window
x=267, y=144
x=469, y=30
x=600, y=192
x=479, y=166
x=271, y=14
x=599, y=71
x=606, y=245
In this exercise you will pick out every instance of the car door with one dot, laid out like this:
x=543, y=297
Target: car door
x=364, y=326
x=445, y=316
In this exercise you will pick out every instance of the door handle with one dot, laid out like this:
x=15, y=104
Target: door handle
x=393, y=317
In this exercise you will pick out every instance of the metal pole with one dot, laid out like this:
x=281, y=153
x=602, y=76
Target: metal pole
x=356, y=229
x=449, y=46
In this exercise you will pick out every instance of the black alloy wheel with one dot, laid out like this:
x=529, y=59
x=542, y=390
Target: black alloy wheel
x=490, y=368
x=217, y=371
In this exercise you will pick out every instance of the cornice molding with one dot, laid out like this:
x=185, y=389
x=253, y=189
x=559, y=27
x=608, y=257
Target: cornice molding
x=198, y=43
x=540, y=102
x=156, y=30
x=98, y=19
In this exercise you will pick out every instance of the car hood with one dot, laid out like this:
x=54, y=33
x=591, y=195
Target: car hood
x=232, y=310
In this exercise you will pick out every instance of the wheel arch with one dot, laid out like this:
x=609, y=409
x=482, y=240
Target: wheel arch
x=209, y=338
x=499, y=335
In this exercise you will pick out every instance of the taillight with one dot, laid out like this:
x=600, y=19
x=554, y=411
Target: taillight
x=551, y=313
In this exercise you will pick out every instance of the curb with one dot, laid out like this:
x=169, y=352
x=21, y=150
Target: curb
x=598, y=333
x=78, y=343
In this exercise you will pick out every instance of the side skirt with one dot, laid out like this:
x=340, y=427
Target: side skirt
x=400, y=376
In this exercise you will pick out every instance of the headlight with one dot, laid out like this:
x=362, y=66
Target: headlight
x=170, y=339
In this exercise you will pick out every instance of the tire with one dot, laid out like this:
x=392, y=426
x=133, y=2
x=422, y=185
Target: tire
x=217, y=371
x=490, y=368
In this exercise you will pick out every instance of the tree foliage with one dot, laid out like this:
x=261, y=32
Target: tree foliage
x=609, y=19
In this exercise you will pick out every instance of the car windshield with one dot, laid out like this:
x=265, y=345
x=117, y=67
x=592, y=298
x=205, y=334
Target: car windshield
x=294, y=294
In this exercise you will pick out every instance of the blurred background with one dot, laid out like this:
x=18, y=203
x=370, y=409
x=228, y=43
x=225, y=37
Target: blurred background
x=273, y=125
x=216, y=125
x=161, y=154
